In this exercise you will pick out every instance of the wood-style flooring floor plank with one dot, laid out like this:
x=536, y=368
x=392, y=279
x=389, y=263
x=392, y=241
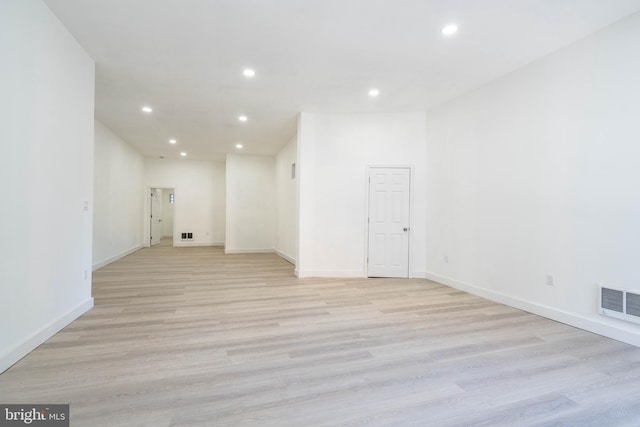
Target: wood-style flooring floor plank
x=194, y=337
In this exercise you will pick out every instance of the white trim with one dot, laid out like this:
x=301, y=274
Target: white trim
x=13, y=355
x=576, y=320
x=186, y=243
x=367, y=190
x=285, y=257
x=116, y=257
x=338, y=273
x=249, y=251
x=146, y=214
x=366, y=213
x=418, y=275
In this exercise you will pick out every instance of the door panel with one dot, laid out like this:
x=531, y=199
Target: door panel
x=389, y=196
x=156, y=216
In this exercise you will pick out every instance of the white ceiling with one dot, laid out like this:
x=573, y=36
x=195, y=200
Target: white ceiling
x=185, y=59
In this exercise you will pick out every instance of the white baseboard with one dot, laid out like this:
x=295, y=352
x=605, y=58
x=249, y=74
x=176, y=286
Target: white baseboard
x=339, y=273
x=185, y=243
x=13, y=355
x=249, y=251
x=116, y=257
x=345, y=273
x=596, y=326
x=286, y=257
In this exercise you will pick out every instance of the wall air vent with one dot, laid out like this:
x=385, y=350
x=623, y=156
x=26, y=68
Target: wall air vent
x=612, y=302
x=632, y=306
x=620, y=303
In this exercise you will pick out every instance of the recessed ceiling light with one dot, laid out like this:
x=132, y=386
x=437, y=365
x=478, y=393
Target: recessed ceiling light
x=374, y=92
x=450, y=30
x=243, y=118
x=238, y=145
x=172, y=141
x=147, y=109
x=248, y=72
x=183, y=154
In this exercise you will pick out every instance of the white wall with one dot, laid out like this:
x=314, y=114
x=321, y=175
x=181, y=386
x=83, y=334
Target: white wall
x=219, y=203
x=286, y=208
x=46, y=134
x=334, y=152
x=538, y=174
x=199, y=198
x=251, y=204
x=117, y=204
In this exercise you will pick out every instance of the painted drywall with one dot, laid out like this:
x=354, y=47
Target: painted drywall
x=167, y=213
x=537, y=174
x=251, y=204
x=117, y=205
x=199, y=198
x=286, y=207
x=334, y=152
x=47, y=86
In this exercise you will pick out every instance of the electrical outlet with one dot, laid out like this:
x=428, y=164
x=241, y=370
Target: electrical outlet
x=549, y=280
x=446, y=259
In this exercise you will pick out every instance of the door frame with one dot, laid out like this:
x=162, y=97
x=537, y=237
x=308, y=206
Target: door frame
x=146, y=213
x=151, y=199
x=366, y=212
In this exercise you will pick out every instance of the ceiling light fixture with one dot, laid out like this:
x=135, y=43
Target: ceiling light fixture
x=248, y=72
x=183, y=154
x=243, y=118
x=374, y=92
x=238, y=145
x=147, y=109
x=450, y=30
x=172, y=141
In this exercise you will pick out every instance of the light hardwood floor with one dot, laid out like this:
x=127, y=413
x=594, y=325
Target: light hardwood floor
x=190, y=336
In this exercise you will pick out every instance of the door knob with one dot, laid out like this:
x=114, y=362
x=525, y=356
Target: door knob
x=405, y=229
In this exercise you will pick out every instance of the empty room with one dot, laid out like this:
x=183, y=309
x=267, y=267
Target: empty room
x=319, y=213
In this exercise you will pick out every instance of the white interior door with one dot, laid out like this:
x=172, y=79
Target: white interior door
x=167, y=212
x=156, y=216
x=389, y=196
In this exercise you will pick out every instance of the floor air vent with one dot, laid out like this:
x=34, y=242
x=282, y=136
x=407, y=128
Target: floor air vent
x=620, y=304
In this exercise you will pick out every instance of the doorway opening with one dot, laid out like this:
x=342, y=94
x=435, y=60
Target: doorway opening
x=388, y=221
x=161, y=216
